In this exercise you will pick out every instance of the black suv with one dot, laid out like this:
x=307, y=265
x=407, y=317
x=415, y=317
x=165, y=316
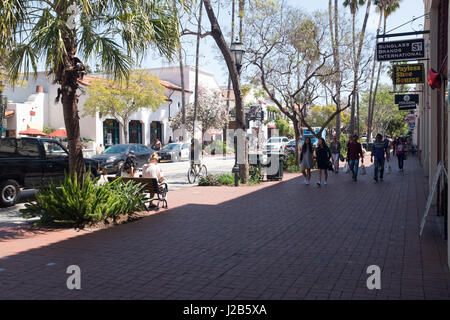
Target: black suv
x=31, y=163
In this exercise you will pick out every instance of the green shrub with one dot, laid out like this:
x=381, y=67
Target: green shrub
x=293, y=168
x=255, y=175
x=226, y=179
x=78, y=203
x=209, y=180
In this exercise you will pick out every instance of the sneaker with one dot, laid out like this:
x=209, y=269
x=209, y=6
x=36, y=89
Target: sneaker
x=324, y=182
x=318, y=183
x=307, y=182
x=376, y=179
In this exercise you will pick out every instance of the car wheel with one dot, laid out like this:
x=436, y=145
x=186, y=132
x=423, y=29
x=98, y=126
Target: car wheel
x=9, y=192
x=176, y=158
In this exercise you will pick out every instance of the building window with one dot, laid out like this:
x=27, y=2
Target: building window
x=110, y=132
x=135, y=131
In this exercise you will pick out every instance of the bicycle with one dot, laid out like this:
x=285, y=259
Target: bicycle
x=195, y=171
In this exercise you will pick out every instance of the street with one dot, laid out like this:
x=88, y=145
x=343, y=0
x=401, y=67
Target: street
x=175, y=174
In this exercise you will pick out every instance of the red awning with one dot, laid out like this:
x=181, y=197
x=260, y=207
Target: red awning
x=32, y=132
x=59, y=133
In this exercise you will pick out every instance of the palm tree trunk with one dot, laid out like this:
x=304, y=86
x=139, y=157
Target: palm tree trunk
x=72, y=123
x=183, y=93
x=378, y=76
x=338, y=68
x=197, y=54
x=369, y=114
x=355, y=75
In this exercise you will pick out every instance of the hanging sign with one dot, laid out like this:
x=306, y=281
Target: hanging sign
x=408, y=73
x=401, y=50
x=406, y=101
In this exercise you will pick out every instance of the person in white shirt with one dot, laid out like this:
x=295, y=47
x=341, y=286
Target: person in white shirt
x=152, y=170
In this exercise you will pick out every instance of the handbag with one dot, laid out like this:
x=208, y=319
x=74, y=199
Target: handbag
x=341, y=157
x=330, y=165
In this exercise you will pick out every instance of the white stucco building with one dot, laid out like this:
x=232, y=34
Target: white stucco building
x=33, y=106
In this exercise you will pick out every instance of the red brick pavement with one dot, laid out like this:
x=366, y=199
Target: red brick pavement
x=273, y=241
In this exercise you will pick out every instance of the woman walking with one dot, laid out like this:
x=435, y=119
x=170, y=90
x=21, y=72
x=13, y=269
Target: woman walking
x=323, y=156
x=400, y=150
x=335, y=148
x=306, y=158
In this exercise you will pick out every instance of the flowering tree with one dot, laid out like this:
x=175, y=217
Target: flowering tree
x=211, y=112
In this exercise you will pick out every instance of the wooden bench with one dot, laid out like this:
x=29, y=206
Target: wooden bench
x=150, y=185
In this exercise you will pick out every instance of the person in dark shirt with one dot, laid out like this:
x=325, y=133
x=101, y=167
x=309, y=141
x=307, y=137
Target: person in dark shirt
x=129, y=166
x=379, y=150
x=323, y=156
x=354, y=152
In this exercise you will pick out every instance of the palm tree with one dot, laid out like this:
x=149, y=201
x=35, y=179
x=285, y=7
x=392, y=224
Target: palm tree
x=354, y=6
x=60, y=32
x=385, y=8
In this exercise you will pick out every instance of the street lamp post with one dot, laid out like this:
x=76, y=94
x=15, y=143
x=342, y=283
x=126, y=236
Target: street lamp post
x=237, y=50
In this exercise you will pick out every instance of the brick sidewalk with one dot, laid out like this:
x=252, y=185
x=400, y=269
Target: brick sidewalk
x=273, y=241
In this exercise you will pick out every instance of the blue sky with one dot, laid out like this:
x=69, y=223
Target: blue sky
x=208, y=59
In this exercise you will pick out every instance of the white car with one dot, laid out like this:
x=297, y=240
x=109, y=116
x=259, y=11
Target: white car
x=175, y=151
x=275, y=144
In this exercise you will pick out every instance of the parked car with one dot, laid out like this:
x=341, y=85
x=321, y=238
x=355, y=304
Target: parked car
x=175, y=151
x=31, y=163
x=290, y=146
x=275, y=144
x=113, y=158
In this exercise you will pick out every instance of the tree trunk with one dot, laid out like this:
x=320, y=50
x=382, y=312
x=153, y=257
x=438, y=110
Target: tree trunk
x=232, y=69
x=183, y=93
x=338, y=67
x=125, y=130
x=355, y=75
x=297, y=140
x=72, y=123
x=369, y=112
x=229, y=80
x=197, y=54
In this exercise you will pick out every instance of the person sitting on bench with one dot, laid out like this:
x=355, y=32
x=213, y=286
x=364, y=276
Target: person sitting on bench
x=152, y=170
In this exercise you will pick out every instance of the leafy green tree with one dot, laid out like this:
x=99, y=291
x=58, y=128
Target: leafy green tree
x=320, y=114
x=121, y=100
x=283, y=125
x=62, y=32
x=387, y=119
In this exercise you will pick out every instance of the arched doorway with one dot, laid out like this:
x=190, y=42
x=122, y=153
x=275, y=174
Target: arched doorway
x=135, y=131
x=156, y=131
x=110, y=132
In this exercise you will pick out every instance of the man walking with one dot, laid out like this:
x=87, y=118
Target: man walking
x=379, y=150
x=354, y=152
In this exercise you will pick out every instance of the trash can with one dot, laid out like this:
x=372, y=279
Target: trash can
x=275, y=165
